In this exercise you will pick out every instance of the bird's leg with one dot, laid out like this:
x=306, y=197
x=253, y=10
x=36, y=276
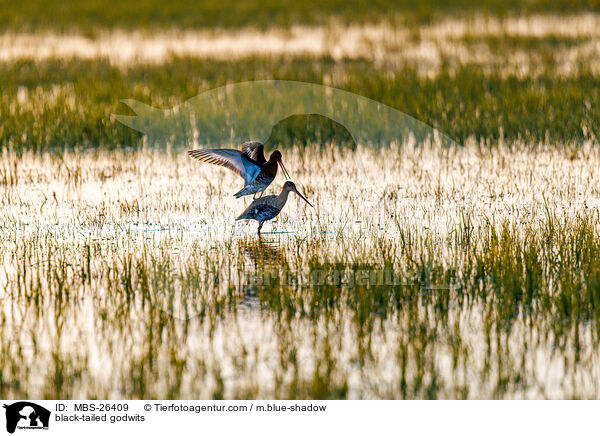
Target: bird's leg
x=260, y=226
x=261, y=193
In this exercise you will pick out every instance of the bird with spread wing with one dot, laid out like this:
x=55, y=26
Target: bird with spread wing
x=249, y=163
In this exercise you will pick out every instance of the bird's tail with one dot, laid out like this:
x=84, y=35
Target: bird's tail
x=247, y=190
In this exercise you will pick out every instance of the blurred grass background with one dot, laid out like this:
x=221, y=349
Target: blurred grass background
x=67, y=103
x=87, y=15
x=468, y=103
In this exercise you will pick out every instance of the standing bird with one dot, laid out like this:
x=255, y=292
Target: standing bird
x=266, y=208
x=249, y=163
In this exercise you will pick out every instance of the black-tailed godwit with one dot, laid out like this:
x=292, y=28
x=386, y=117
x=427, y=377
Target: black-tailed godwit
x=268, y=207
x=249, y=163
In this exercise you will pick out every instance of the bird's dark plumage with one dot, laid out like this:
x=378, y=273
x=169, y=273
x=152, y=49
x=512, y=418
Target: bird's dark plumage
x=260, y=212
x=249, y=163
x=266, y=208
x=255, y=150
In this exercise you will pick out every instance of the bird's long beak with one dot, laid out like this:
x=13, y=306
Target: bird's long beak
x=303, y=198
x=285, y=172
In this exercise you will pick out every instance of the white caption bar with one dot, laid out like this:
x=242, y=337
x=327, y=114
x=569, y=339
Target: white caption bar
x=22, y=417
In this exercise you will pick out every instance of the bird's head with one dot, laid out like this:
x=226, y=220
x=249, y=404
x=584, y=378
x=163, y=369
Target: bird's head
x=290, y=186
x=276, y=157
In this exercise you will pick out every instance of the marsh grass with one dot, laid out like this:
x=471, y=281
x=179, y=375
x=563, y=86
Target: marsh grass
x=55, y=105
x=91, y=15
x=125, y=275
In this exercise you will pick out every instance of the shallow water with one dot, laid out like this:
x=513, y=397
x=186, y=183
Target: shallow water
x=431, y=275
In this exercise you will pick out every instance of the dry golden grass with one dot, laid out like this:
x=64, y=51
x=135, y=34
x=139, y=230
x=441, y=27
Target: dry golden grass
x=480, y=41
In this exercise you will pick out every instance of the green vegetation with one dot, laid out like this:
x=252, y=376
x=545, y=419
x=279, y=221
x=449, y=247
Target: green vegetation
x=89, y=15
x=69, y=104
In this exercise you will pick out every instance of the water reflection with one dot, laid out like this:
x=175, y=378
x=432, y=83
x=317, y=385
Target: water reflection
x=261, y=250
x=260, y=253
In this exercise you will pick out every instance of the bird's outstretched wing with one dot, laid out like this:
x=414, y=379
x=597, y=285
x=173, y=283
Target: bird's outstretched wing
x=231, y=159
x=254, y=150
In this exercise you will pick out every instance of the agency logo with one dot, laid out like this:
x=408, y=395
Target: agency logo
x=26, y=415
